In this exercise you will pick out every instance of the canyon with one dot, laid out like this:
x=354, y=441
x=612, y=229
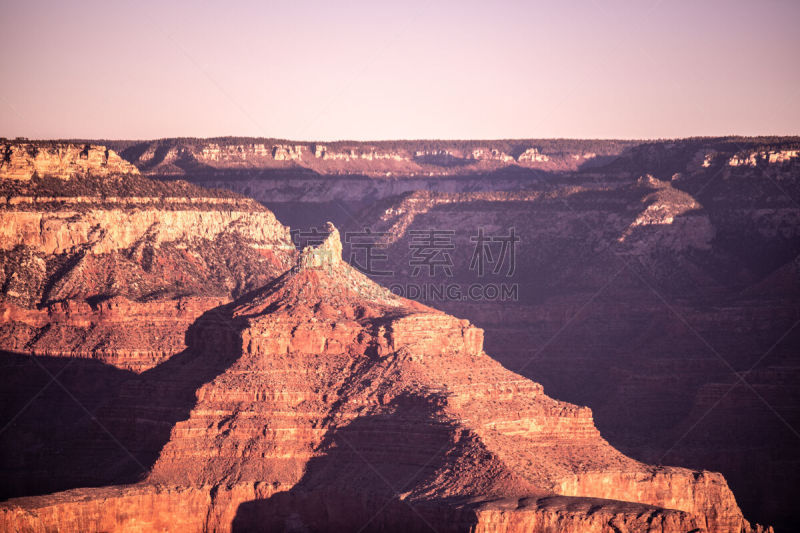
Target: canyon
x=173, y=361
x=655, y=281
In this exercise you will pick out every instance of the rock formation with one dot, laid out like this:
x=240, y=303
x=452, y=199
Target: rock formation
x=107, y=264
x=328, y=403
x=24, y=160
x=651, y=276
x=202, y=159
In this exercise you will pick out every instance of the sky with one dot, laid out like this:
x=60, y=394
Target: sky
x=370, y=70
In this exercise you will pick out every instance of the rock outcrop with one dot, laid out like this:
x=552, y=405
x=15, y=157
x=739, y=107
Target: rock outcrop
x=106, y=271
x=25, y=160
x=332, y=404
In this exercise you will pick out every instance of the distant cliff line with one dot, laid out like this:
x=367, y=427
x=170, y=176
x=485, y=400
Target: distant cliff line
x=249, y=157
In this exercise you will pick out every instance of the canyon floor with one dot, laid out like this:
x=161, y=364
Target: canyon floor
x=177, y=358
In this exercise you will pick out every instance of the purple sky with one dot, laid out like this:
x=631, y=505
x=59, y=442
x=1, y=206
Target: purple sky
x=389, y=70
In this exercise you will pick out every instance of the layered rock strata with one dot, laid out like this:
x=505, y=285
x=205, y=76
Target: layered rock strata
x=332, y=404
x=99, y=262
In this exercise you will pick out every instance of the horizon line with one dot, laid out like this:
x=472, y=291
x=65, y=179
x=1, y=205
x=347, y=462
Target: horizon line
x=400, y=139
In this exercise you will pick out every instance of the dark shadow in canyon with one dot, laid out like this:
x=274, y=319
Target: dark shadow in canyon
x=73, y=422
x=640, y=362
x=356, y=484
x=661, y=374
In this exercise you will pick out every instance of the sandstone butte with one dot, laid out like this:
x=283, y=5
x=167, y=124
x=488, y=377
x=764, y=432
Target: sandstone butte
x=318, y=400
x=337, y=405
